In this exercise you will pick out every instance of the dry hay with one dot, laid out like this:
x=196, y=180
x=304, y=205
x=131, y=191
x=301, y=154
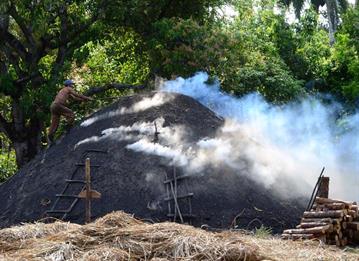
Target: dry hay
x=275, y=248
x=118, y=236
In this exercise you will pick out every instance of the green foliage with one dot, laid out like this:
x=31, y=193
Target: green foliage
x=263, y=232
x=7, y=159
x=183, y=47
x=7, y=165
x=261, y=42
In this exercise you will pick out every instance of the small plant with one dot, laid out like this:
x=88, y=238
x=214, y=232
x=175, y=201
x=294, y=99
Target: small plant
x=263, y=231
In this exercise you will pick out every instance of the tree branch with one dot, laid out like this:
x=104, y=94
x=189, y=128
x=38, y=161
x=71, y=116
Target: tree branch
x=61, y=52
x=118, y=86
x=22, y=24
x=15, y=44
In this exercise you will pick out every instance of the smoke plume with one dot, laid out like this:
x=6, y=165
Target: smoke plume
x=288, y=143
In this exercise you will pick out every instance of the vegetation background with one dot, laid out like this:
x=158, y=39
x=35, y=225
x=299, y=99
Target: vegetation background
x=97, y=42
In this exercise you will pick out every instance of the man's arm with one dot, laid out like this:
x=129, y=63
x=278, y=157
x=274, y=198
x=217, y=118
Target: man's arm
x=78, y=96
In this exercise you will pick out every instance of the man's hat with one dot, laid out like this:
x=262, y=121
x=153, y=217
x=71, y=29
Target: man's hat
x=68, y=82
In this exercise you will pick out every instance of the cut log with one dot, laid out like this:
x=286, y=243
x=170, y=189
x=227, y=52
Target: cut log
x=353, y=225
x=348, y=218
x=340, y=234
x=353, y=213
x=320, y=200
x=344, y=225
x=319, y=220
x=332, y=237
x=324, y=214
x=354, y=207
x=314, y=230
x=334, y=242
x=298, y=236
x=312, y=224
x=343, y=242
x=356, y=236
x=349, y=233
x=330, y=206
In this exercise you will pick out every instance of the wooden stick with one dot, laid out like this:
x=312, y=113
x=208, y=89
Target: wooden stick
x=88, y=191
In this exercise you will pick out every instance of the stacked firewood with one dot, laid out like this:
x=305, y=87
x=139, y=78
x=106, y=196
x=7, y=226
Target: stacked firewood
x=332, y=221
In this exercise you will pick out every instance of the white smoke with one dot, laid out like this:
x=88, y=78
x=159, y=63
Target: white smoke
x=291, y=142
x=174, y=155
x=157, y=100
x=134, y=132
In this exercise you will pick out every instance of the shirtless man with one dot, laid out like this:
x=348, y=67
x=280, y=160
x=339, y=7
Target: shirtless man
x=59, y=109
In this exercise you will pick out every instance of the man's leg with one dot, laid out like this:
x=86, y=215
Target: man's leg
x=69, y=115
x=55, y=119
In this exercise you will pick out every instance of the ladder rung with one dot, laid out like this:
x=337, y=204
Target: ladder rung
x=96, y=150
x=57, y=211
x=66, y=196
x=82, y=164
x=183, y=215
x=177, y=178
x=180, y=196
x=74, y=181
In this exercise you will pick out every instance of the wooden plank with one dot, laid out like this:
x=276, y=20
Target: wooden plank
x=93, y=194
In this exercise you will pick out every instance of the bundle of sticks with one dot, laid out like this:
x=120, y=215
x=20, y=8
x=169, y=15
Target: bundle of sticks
x=332, y=221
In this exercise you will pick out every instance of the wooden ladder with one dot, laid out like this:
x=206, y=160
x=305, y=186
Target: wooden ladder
x=174, y=199
x=63, y=213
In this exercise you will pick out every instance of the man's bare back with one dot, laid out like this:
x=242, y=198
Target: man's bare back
x=66, y=92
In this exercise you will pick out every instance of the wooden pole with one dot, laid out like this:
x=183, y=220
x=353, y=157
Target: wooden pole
x=323, y=190
x=88, y=190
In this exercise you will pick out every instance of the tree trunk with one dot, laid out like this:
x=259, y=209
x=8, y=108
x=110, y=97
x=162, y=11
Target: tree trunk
x=26, y=138
x=333, y=19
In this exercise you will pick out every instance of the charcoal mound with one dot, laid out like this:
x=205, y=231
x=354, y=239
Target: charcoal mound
x=149, y=184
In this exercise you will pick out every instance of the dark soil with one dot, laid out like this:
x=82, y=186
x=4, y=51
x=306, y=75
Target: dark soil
x=220, y=198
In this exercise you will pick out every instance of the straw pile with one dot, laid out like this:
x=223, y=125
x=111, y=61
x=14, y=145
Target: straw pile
x=334, y=222
x=118, y=236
